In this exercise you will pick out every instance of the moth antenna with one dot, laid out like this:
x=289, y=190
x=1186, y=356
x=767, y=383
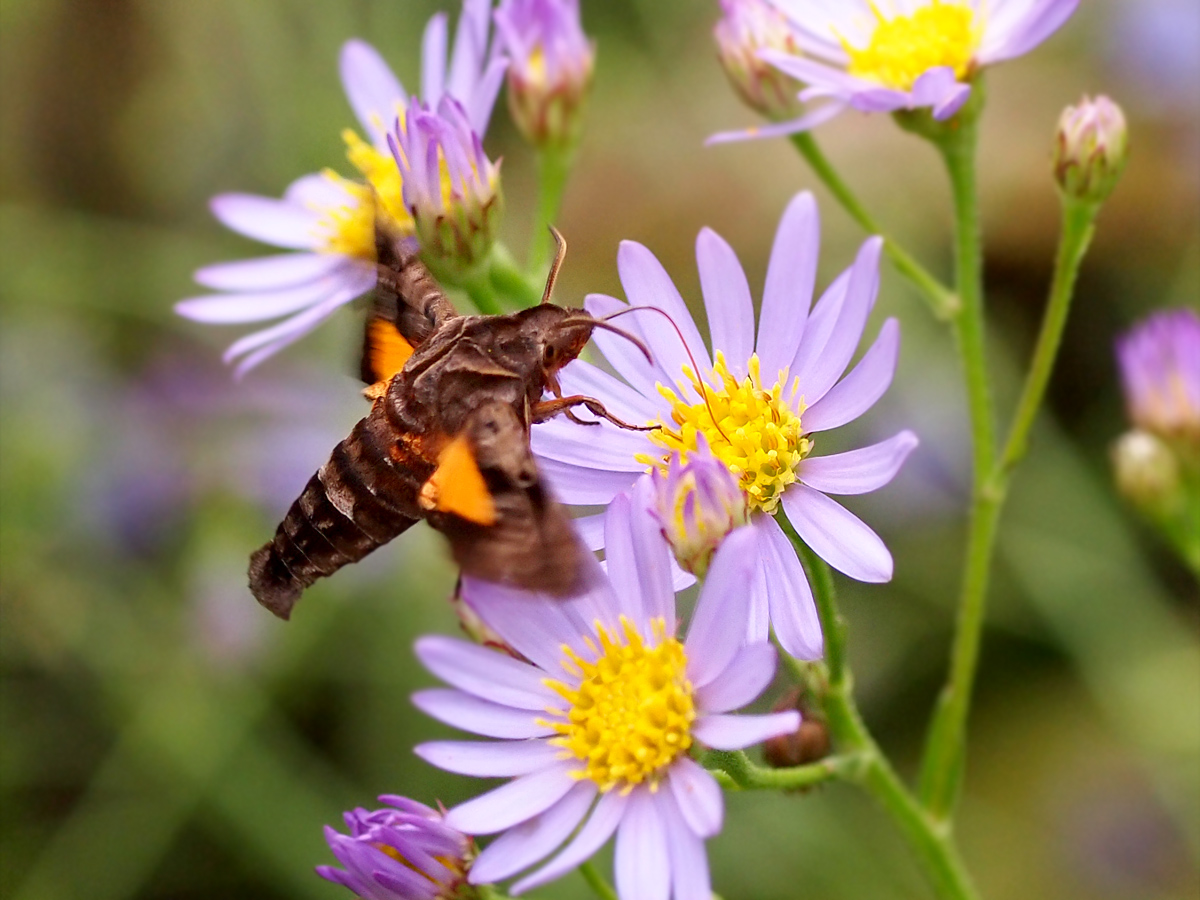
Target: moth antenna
x=559, y=255
x=632, y=338
x=686, y=349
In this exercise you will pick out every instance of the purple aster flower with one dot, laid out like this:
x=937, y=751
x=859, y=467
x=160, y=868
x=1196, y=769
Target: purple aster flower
x=1160, y=371
x=403, y=852
x=550, y=71
x=758, y=405
x=450, y=186
x=902, y=54
x=596, y=728
x=331, y=218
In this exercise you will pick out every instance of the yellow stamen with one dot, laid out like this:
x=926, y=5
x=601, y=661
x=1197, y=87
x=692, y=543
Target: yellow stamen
x=902, y=48
x=350, y=229
x=631, y=715
x=754, y=431
x=380, y=170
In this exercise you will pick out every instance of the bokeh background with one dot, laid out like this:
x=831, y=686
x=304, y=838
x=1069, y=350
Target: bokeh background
x=164, y=737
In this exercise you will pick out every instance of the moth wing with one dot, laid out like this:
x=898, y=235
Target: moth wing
x=529, y=542
x=408, y=306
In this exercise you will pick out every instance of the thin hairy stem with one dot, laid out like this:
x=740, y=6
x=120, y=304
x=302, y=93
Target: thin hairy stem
x=941, y=299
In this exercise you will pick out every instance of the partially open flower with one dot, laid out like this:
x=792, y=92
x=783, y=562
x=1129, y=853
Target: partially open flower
x=550, y=70
x=1091, y=148
x=451, y=188
x=697, y=502
x=745, y=28
x=401, y=852
x=1160, y=371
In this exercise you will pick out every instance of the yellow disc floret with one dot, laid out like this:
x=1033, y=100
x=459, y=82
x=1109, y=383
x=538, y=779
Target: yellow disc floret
x=382, y=174
x=631, y=714
x=902, y=48
x=349, y=229
x=753, y=430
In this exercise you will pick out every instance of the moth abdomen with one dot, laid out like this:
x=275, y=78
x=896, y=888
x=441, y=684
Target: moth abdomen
x=355, y=503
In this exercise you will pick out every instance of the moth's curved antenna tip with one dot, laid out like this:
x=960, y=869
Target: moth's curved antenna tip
x=633, y=339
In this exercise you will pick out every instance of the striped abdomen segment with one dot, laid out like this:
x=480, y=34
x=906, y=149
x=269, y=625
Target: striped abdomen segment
x=364, y=496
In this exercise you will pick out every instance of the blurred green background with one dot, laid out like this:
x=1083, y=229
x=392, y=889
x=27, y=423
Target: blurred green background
x=164, y=737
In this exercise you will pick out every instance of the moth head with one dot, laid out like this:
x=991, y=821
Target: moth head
x=560, y=334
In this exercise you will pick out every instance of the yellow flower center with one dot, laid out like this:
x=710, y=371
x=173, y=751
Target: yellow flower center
x=349, y=229
x=632, y=713
x=382, y=174
x=753, y=430
x=902, y=48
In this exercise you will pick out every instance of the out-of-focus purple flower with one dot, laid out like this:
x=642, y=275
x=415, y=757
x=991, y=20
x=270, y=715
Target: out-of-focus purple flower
x=595, y=730
x=1091, y=148
x=758, y=405
x=331, y=221
x=903, y=54
x=550, y=70
x=697, y=504
x=330, y=218
x=451, y=188
x=1160, y=372
x=746, y=28
x=402, y=852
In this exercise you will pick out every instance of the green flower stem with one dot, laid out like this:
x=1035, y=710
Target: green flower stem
x=942, y=764
x=478, y=285
x=1078, y=226
x=941, y=299
x=596, y=881
x=516, y=289
x=863, y=762
x=734, y=770
x=553, y=167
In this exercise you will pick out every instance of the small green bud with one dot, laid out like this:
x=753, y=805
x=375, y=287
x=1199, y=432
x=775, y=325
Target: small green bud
x=1146, y=471
x=1091, y=148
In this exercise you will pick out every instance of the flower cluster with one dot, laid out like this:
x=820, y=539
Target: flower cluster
x=336, y=221
x=601, y=710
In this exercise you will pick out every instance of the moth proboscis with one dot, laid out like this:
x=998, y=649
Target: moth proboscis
x=453, y=398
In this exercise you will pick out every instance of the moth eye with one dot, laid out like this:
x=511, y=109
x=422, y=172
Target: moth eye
x=550, y=353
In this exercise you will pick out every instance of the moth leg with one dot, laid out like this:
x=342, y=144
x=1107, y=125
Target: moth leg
x=548, y=409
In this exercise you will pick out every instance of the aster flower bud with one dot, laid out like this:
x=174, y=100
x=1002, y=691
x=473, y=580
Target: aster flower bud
x=1091, y=148
x=697, y=503
x=402, y=852
x=807, y=744
x=1146, y=471
x=745, y=28
x=450, y=186
x=550, y=69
